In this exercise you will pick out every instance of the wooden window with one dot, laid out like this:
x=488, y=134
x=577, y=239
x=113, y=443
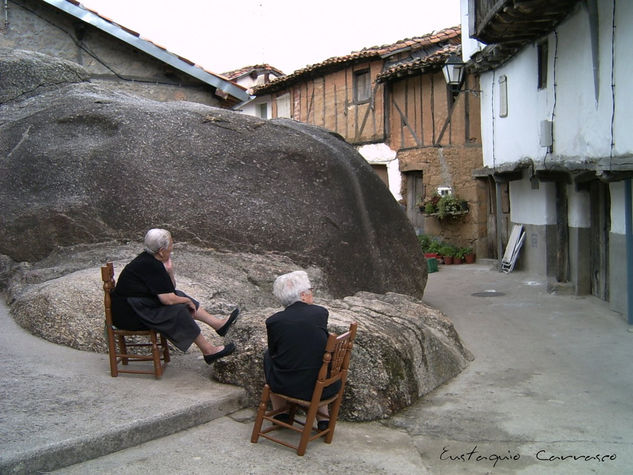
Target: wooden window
x=542, y=54
x=362, y=86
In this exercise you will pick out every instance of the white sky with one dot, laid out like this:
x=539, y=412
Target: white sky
x=288, y=34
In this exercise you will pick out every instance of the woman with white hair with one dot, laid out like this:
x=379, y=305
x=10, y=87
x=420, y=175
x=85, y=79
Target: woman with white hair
x=296, y=341
x=145, y=296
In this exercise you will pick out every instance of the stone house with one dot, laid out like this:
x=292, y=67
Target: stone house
x=112, y=54
x=393, y=104
x=557, y=136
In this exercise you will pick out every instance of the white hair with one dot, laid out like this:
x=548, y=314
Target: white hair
x=289, y=287
x=157, y=239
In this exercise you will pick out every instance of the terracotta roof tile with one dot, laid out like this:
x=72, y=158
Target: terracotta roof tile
x=451, y=35
x=432, y=61
x=236, y=73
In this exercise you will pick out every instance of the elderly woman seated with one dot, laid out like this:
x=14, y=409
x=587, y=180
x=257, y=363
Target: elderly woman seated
x=146, y=297
x=296, y=341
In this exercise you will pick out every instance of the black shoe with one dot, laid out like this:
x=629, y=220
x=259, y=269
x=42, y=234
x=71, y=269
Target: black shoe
x=322, y=425
x=229, y=321
x=282, y=417
x=226, y=351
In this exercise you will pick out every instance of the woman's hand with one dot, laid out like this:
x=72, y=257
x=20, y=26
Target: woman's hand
x=173, y=299
x=169, y=267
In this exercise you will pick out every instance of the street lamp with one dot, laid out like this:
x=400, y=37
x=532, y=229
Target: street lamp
x=453, y=71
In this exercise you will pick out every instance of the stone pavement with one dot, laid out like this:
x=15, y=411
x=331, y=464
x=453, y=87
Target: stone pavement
x=550, y=391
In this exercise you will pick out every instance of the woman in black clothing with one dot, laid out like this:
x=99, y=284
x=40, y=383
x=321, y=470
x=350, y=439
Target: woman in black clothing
x=146, y=297
x=296, y=341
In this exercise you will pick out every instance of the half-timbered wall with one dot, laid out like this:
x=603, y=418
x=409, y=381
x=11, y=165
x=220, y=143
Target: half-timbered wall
x=328, y=101
x=438, y=141
x=436, y=136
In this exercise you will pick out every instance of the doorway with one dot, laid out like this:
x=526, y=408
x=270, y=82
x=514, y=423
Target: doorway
x=415, y=195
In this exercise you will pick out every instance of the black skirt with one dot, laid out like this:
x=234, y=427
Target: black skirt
x=173, y=321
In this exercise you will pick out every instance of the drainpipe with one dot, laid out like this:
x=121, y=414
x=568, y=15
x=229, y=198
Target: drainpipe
x=628, y=218
x=6, y=14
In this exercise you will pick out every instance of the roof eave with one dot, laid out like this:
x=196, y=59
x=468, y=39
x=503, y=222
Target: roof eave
x=151, y=49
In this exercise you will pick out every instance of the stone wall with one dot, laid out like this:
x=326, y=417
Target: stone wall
x=36, y=26
x=449, y=166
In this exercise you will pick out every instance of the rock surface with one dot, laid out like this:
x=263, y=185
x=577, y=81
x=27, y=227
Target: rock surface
x=84, y=172
x=403, y=350
x=83, y=164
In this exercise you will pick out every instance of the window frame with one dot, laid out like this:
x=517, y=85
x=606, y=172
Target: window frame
x=367, y=87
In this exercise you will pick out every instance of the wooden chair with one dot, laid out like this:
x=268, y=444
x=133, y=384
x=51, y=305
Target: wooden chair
x=122, y=354
x=335, y=362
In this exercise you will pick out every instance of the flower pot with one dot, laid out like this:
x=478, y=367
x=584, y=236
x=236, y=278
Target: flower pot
x=469, y=258
x=448, y=260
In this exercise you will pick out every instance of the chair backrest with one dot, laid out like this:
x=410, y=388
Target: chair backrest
x=107, y=276
x=338, y=351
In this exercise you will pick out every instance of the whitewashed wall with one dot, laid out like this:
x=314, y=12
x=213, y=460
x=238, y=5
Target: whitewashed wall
x=582, y=126
x=536, y=207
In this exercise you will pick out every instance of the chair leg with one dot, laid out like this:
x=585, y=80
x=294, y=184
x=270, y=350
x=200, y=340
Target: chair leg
x=307, y=429
x=123, y=348
x=334, y=415
x=163, y=342
x=261, y=410
x=158, y=369
x=114, y=370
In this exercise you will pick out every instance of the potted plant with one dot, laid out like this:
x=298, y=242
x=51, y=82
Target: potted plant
x=451, y=205
x=425, y=242
x=469, y=255
x=430, y=206
x=460, y=252
x=434, y=247
x=447, y=252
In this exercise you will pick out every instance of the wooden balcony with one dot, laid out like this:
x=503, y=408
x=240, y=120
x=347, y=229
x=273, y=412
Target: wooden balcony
x=515, y=22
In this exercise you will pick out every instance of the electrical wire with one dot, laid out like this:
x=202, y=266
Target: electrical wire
x=492, y=117
x=612, y=145
x=549, y=150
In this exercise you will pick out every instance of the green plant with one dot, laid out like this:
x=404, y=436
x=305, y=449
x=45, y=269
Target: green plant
x=430, y=206
x=450, y=205
x=425, y=242
x=435, y=246
x=447, y=250
x=460, y=252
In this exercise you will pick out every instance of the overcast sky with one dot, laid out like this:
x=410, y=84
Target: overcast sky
x=287, y=34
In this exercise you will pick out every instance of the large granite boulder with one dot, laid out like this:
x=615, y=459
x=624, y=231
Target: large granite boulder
x=84, y=164
x=403, y=350
x=85, y=171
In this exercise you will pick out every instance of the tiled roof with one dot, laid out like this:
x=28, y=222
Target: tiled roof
x=447, y=35
x=238, y=73
x=432, y=61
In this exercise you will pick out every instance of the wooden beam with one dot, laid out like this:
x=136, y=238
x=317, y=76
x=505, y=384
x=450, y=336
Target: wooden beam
x=406, y=123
